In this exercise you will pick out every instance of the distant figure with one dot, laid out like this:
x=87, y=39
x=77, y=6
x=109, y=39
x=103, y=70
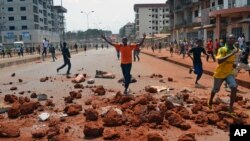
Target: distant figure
x=53, y=52
x=171, y=49
x=241, y=41
x=8, y=52
x=3, y=52
x=38, y=49
x=210, y=50
x=21, y=50
x=96, y=46
x=45, y=46
x=243, y=63
x=126, y=58
x=66, y=58
x=76, y=47
x=160, y=46
x=136, y=54
x=85, y=49
x=102, y=46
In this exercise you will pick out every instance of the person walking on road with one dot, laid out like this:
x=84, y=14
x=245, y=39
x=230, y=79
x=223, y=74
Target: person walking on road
x=85, y=49
x=171, y=50
x=45, y=46
x=53, y=52
x=66, y=58
x=126, y=58
x=197, y=63
x=3, y=52
x=21, y=50
x=76, y=47
x=224, y=71
x=136, y=54
x=210, y=50
x=243, y=60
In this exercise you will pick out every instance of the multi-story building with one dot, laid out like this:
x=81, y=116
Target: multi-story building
x=129, y=29
x=150, y=18
x=212, y=19
x=30, y=21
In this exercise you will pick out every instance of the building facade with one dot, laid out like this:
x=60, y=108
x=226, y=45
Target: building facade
x=214, y=19
x=30, y=21
x=150, y=18
x=129, y=29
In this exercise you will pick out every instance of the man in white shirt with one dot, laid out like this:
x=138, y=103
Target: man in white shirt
x=45, y=46
x=241, y=41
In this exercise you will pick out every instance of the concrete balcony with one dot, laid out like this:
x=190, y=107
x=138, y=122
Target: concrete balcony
x=223, y=10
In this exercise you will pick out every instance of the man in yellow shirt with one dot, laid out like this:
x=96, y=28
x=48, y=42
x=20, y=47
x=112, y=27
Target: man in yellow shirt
x=224, y=71
x=126, y=57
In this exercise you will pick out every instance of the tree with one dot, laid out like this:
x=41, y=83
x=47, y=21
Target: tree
x=122, y=31
x=165, y=29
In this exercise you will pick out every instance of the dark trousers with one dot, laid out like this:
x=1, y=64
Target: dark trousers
x=44, y=53
x=126, y=68
x=136, y=55
x=66, y=62
x=212, y=55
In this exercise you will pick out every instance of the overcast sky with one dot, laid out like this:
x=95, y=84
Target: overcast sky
x=108, y=14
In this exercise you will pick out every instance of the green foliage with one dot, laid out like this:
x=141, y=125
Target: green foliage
x=90, y=33
x=165, y=29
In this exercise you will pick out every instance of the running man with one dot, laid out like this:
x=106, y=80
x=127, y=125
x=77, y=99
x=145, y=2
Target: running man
x=126, y=57
x=197, y=63
x=66, y=58
x=243, y=61
x=224, y=71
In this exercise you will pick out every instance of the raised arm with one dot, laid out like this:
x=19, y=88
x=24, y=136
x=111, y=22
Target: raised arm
x=104, y=38
x=144, y=36
x=223, y=59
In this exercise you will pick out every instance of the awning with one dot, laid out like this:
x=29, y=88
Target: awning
x=204, y=26
x=158, y=36
x=245, y=20
x=197, y=27
x=208, y=26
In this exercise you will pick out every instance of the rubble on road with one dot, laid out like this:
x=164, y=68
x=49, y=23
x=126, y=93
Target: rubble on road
x=93, y=129
x=90, y=81
x=13, y=88
x=111, y=115
x=43, y=116
x=44, y=79
x=103, y=74
x=13, y=74
x=9, y=130
x=79, y=78
x=42, y=97
x=156, y=76
x=99, y=90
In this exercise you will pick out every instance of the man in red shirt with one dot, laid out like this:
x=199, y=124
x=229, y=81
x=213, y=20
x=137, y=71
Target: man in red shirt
x=210, y=49
x=126, y=57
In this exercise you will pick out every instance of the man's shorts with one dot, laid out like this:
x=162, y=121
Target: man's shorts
x=230, y=80
x=198, y=69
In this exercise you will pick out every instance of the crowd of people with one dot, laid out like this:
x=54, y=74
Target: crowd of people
x=231, y=54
